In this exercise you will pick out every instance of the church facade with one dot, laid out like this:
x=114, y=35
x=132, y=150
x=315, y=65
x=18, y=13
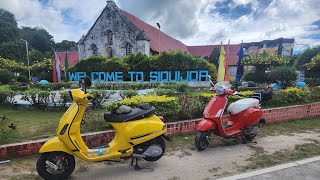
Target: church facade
x=113, y=35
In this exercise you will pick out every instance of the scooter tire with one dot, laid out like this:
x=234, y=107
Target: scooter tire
x=158, y=141
x=45, y=174
x=201, y=142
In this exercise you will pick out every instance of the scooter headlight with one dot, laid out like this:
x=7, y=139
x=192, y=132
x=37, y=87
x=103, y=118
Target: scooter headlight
x=220, y=90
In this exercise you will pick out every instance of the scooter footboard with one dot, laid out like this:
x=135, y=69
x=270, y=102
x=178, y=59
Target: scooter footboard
x=55, y=144
x=206, y=125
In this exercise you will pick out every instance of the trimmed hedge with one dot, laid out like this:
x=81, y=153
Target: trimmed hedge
x=290, y=96
x=168, y=107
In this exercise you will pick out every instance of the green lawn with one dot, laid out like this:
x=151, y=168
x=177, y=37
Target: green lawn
x=37, y=124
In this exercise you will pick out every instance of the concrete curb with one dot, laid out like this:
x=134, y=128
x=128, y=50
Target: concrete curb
x=271, y=169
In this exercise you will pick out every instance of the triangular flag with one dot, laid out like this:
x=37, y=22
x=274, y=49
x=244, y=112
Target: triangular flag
x=240, y=65
x=221, y=69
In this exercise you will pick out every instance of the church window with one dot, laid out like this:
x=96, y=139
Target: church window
x=94, y=49
x=109, y=52
x=110, y=38
x=128, y=49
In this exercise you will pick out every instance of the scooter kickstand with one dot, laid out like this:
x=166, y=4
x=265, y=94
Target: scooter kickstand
x=137, y=167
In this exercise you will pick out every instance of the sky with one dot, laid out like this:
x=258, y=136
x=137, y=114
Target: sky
x=194, y=22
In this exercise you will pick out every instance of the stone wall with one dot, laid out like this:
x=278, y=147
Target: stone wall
x=272, y=115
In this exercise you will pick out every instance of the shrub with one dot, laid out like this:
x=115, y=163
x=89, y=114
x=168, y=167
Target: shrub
x=162, y=91
x=125, y=86
x=37, y=98
x=128, y=93
x=100, y=97
x=191, y=107
x=165, y=106
x=23, y=78
x=283, y=75
x=290, y=96
x=43, y=70
x=64, y=97
x=178, y=86
x=6, y=94
x=6, y=76
x=257, y=76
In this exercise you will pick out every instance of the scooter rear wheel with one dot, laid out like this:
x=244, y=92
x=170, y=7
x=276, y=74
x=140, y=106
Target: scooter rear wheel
x=64, y=162
x=201, y=140
x=157, y=141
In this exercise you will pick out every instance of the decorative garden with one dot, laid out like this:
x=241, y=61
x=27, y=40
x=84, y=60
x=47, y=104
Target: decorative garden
x=174, y=101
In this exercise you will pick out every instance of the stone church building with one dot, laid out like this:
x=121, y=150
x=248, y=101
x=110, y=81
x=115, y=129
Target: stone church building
x=117, y=33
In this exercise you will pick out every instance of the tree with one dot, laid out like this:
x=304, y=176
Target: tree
x=38, y=38
x=66, y=45
x=15, y=50
x=265, y=61
x=214, y=57
x=307, y=55
x=282, y=75
x=8, y=27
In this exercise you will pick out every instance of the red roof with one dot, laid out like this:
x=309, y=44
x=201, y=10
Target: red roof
x=167, y=42
x=205, y=51
x=73, y=57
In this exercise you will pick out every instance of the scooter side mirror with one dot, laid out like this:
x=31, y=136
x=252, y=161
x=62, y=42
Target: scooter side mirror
x=209, y=77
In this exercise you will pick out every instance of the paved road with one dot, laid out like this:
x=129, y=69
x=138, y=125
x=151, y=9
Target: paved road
x=308, y=169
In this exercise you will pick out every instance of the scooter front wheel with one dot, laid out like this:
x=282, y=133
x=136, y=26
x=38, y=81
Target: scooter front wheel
x=201, y=140
x=55, y=165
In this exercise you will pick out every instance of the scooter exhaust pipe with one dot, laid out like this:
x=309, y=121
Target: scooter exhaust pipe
x=134, y=155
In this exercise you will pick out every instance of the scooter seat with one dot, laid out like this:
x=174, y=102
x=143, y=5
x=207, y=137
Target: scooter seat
x=242, y=104
x=135, y=114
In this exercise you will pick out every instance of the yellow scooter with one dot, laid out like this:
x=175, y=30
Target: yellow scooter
x=138, y=134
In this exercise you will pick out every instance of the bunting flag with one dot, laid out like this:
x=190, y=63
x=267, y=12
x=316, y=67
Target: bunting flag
x=226, y=75
x=66, y=65
x=55, y=79
x=221, y=69
x=223, y=74
x=240, y=65
x=57, y=66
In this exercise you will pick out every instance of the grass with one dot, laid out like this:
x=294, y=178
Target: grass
x=290, y=127
x=261, y=160
x=36, y=124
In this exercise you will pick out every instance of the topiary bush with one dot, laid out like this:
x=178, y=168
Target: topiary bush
x=6, y=76
x=37, y=98
x=6, y=94
x=100, y=97
x=168, y=107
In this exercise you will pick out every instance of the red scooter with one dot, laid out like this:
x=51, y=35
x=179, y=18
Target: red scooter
x=244, y=117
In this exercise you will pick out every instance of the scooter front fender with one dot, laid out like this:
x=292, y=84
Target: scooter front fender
x=206, y=125
x=55, y=144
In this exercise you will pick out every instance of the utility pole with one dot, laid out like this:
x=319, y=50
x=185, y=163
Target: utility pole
x=27, y=57
x=158, y=24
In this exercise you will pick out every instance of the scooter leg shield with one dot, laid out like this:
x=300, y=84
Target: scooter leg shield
x=206, y=125
x=55, y=144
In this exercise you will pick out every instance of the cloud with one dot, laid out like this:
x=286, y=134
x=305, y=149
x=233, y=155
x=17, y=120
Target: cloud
x=194, y=22
x=178, y=18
